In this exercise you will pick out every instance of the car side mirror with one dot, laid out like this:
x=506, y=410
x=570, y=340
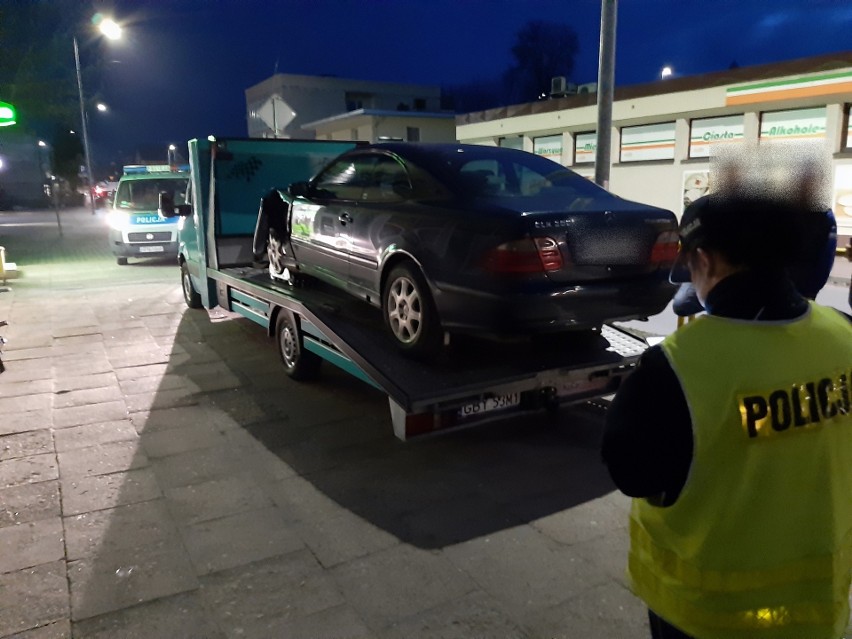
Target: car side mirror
x=166, y=206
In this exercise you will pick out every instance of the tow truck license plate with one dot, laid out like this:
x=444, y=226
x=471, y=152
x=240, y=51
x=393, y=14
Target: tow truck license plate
x=490, y=404
x=150, y=249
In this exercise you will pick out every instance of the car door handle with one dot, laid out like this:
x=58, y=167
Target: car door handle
x=345, y=218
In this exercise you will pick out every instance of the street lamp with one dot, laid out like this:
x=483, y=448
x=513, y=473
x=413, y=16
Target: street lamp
x=666, y=72
x=170, y=155
x=112, y=31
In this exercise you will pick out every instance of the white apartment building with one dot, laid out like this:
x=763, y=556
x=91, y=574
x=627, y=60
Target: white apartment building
x=329, y=108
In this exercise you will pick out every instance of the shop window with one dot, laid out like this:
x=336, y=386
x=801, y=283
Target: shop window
x=585, y=148
x=706, y=133
x=795, y=125
x=648, y=142
x=549, y=146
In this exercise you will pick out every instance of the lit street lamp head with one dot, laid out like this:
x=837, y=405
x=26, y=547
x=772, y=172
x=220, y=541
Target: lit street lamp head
x=107, y=27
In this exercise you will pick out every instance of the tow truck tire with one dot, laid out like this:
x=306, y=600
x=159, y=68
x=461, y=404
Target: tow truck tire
x=190, y=295
x=121, y=261
x=409, y=312
x=300, y=364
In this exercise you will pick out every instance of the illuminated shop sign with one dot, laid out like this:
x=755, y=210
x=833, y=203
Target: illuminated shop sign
x=585, y=147
x=649, y=142
x=800, y=124
x=707, y=132
x=550, y=146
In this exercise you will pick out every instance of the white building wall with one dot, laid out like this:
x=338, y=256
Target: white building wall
x=661, y=182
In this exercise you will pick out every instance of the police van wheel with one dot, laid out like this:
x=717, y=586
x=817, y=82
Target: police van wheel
x=298, y=363
x=121, y=261
x=190, y=295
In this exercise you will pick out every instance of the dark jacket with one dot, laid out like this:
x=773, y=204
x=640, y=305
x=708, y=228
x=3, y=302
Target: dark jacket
x=647, y=441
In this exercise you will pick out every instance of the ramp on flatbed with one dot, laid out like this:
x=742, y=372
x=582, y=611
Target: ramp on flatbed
x=469, y=366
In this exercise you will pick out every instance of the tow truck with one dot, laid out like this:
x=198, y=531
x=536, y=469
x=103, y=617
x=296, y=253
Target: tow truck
x=471, y=383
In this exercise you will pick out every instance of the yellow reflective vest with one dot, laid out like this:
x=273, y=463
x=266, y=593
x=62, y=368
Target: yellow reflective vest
x=759, y=542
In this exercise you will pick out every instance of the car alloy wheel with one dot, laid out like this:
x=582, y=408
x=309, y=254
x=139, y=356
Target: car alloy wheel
x=276, y=254
x=409, y=312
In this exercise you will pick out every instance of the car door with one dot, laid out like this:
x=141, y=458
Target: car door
x=319, y=234
x=376, y=223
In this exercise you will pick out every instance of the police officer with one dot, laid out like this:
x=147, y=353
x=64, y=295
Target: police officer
x=734, y=436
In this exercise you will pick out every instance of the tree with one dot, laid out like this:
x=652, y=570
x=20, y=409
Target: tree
x=38, y=75
x=542, y=51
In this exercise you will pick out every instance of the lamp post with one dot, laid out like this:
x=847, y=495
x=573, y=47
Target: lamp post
x=112, y=31
x=171, y=160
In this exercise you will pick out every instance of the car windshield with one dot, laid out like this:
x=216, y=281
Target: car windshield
x=145, y=194
x=502, y=174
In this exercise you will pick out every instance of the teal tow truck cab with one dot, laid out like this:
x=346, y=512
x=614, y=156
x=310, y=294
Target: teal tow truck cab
x=136, y=229
x=312, y=323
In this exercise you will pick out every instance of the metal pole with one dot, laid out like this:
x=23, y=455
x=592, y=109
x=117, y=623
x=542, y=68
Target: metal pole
x=606, y=89
x=85, y=128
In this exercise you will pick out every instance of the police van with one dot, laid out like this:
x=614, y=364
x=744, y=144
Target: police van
x=136, y=229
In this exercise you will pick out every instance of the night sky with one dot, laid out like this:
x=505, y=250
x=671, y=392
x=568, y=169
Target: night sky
x=182, y=67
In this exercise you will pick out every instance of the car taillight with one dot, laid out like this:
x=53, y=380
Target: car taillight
x=530, y=255
x=665, y=248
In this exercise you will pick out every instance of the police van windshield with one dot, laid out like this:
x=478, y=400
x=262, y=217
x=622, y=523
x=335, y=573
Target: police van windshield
x=145, y=194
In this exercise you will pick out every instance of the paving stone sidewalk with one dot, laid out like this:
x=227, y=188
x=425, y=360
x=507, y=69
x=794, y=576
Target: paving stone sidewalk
x=161, y=477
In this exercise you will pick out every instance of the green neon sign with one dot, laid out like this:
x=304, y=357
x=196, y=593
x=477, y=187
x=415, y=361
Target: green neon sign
x=8, y=115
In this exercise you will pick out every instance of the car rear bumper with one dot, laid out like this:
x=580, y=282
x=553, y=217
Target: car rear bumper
x=568, y=308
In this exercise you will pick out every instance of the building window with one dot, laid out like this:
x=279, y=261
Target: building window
x=793, y=126
x=710, y=132
x=847, y=142
x=516, y=142
x=549, y=146
x=585, y=148
x=412, y=134
x=648, y=142
x=419, y=104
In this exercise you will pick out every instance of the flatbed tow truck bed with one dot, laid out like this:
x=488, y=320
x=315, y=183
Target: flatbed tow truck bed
x=474, y=381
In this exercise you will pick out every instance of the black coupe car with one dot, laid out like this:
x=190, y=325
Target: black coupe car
x=454, y=238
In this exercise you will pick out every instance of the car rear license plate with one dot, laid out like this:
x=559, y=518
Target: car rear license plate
x=489, y=404
x=150, y=249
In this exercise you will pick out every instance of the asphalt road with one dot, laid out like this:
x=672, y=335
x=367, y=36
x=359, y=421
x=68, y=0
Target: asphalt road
x=161, y=477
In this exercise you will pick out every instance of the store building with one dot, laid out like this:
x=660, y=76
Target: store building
x=664, y=133
x=328, y=108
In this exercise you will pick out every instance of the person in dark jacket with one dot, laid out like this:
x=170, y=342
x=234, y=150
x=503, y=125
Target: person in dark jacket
x=809, y=272
x=734, y=436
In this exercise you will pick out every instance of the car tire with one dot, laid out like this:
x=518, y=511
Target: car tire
x=121, y=261
x=299, y=364
x=409, y=312
x=190, y=295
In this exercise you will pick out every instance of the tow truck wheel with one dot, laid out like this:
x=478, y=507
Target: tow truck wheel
x=121, y=261
x=190, y=295
x=409, y=312
x=298, y=363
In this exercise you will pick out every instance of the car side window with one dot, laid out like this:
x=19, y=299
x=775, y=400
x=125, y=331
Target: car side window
x=483, y=177
x=387, y=181
x=342, y=180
